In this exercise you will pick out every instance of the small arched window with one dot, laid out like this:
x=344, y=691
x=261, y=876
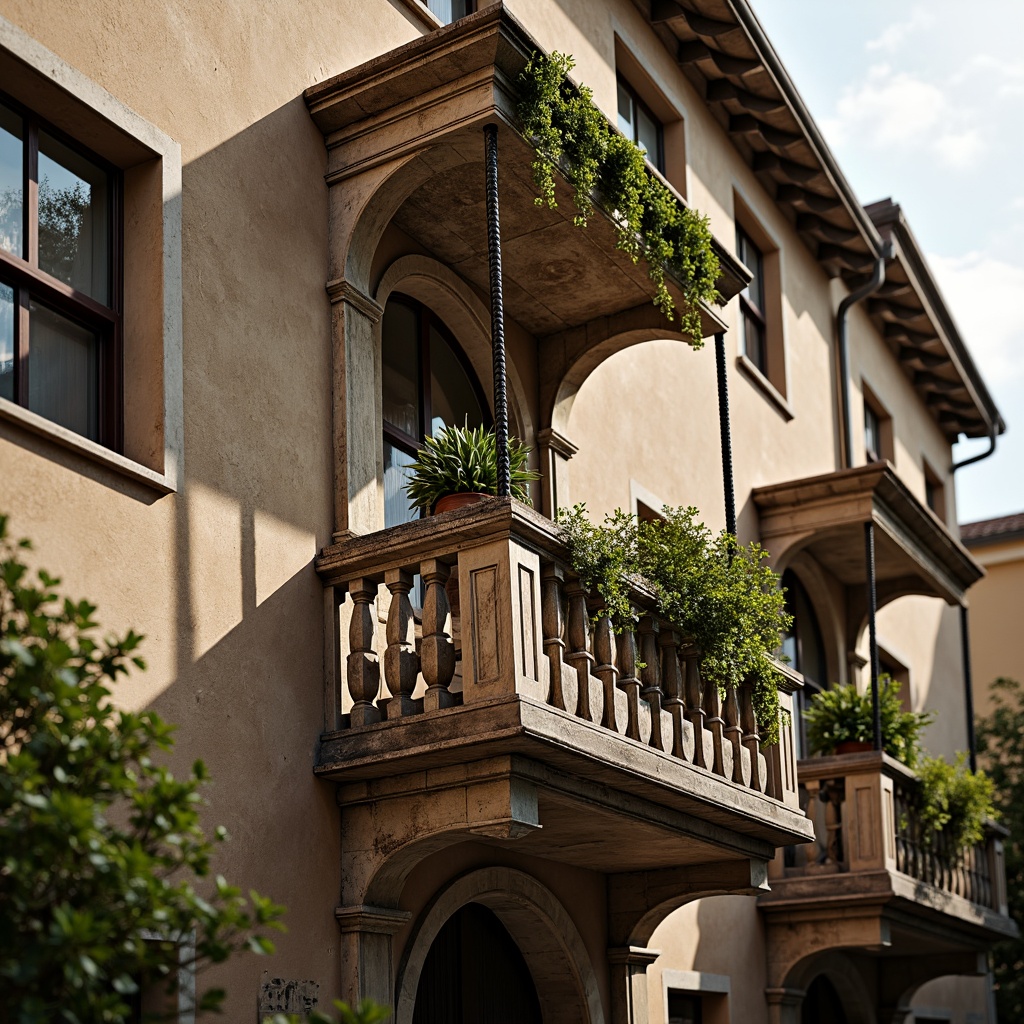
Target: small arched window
x=428, y=384
x=803, y=646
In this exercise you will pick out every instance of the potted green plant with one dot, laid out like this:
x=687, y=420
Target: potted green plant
x=840, y=721
x=460, y=466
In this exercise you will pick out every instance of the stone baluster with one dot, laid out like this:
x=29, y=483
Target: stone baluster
x=715, y=724
x=437, y=652
x=604, y=653
x=672, y=686
x=832, y=793
x=734, y=737
x=702, y=755
x=629, y=683
x=363, y=667
x=553, y=625
x=579, y=656
x=813, y=852
x=752, y=738
x=401, y=663
x=650, y=678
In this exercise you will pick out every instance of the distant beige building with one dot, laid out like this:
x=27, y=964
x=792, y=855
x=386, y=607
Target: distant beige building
x=245, y=270
x=997, y=642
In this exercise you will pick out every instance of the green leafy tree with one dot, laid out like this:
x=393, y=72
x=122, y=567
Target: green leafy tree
x=1001, y=750
x=105, y=872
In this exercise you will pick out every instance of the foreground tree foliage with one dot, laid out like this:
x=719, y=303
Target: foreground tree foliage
x=105, y=880
x=999, y=744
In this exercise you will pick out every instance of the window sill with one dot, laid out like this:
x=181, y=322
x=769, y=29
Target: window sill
x=765, y=386
x=162, y=482
x=425, y=17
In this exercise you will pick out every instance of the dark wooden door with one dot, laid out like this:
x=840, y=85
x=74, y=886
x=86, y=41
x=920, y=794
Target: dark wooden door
x=822, y=1004
x=475, y=974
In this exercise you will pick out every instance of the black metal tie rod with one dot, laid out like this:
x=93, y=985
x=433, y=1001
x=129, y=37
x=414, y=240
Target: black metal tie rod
x=726, y=432
x=497, y=312
x=869, y=554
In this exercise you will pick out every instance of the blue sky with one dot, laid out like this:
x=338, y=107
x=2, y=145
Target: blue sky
x=924, y=102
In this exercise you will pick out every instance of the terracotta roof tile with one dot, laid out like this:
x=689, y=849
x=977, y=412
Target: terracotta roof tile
x=991, y=529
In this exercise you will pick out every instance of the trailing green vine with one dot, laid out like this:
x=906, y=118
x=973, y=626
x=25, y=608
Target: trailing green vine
x=570, y=132
x=718, y=592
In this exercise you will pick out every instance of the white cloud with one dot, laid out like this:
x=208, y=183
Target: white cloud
x=896, y=109
x=893, y=37
x=1017, y=203
x=985, y=296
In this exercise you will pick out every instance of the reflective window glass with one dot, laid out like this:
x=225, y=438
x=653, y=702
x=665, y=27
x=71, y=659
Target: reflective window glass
x=12, y=188
x=453, y=400
x=401, y=368
x=448, y=11
x=397, y=508
x=63, y=371
x=6, y=342
x=74, y=229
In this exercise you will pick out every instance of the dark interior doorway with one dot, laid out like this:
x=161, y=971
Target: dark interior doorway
x=475, y=974
x=822, y=1004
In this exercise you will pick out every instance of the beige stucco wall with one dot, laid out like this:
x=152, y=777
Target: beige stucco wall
x=218, y=576
x=997, y=642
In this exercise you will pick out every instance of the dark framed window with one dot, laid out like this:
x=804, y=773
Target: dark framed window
x=753, y=323
x=684, y=1008
x=428, y=384
x=60, y=278
x=447, y=11
x=802, y=644
x=872, y=434
x=640, y=126
x=934, y=492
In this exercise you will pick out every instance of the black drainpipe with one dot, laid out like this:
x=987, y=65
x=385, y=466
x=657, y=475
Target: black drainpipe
x=965, y=643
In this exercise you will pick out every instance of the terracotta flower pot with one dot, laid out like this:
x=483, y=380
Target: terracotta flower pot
x=450, y=502
x=854, y=747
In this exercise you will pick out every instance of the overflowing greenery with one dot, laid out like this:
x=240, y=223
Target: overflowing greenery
x=956, y=801
x=102, y=856
x=568, y=131
x=842, y=715
x=1002, y=753
x=463, y=460
x=719, y=593
x=367, y=1012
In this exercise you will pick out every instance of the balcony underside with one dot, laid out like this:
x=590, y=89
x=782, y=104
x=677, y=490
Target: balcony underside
x=408, y=127
x=825, y=516
x=575, y=792
x=886, y=913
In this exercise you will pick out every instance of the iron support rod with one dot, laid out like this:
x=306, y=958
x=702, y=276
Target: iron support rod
x=726, y=432
x=497, y=312
x=965, y=649
x=869, y=552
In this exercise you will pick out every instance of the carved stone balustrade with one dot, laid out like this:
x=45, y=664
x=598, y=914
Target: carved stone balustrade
x=874, y=879
x=527, y=672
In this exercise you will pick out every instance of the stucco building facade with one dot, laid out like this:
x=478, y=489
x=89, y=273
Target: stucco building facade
x=467, y=793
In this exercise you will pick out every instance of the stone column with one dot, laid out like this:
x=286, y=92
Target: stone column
x=628, y=977
x=367, y=956
x=555, y=451
x=358, y=460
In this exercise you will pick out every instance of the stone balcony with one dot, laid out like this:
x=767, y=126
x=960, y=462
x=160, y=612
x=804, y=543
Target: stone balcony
x=872, y=881
x=507, y=714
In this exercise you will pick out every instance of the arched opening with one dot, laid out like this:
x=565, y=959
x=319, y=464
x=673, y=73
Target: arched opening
x=474, y=973
x=803, y=645
x=427, y=385
x=822, y=1004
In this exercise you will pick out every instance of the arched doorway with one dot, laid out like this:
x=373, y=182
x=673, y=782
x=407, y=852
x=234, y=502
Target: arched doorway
x=822, y=1004
x=475, y=974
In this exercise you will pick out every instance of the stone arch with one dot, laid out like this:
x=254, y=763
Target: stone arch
x=844, y=977
x=545, y=933
x=436, y=285
x=569, y=358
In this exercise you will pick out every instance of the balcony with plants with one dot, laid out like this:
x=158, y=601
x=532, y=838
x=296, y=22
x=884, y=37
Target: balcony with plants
x=906, y=864
x=623, y=670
